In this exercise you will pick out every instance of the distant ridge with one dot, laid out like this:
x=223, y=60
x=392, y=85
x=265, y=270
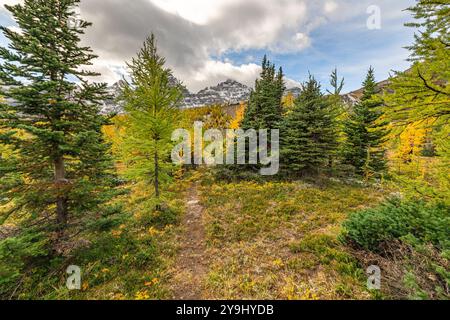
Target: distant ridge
x=229, y=92
x=354, y=97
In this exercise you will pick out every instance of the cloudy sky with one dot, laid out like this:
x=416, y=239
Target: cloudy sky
x=208, y=41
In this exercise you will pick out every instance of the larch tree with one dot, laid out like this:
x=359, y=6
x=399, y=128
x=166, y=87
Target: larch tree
x=421, y=95
x=151, y=99
x=423, y=91
x=51, y=116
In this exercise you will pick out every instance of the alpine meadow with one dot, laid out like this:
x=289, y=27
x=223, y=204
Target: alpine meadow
x=314, y=164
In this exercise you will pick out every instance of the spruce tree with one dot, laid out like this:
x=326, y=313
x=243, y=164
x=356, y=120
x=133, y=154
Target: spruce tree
x=152, y=106
x=60, y=166
x=336, y=83
x=308, y=138
x=365, y=134
x=338, y=109
x=265, y=110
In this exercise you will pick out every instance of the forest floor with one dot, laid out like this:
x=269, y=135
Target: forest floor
x=269, y=240
x=224, y=240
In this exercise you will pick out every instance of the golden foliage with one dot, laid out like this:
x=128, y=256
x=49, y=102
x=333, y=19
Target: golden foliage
x=236, y=122
x=213, y=117
x=412, y=141
x=288, y=102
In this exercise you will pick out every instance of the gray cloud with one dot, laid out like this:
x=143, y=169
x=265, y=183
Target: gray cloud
x=120, y=27
x=194, y=34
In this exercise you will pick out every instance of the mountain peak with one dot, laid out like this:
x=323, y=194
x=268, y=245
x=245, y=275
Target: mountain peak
x=226, y=92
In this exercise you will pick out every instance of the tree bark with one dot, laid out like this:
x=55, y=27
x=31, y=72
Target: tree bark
x=156, y=182
x=61, y=199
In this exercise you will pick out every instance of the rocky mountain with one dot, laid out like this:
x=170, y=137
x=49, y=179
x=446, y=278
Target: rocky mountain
x=228, y=92
x=354, y=97
x=111, y=105
x=294, y=91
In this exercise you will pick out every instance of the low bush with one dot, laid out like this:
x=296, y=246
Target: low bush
x=410, y=242
x=397, y=219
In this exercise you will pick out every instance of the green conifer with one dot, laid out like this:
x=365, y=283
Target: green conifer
x=264, y=110
x=308, y=137
x=365, y=135
x=61, y=166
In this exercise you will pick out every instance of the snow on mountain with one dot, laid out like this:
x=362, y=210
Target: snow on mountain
x=111, y=105
x=228, y=92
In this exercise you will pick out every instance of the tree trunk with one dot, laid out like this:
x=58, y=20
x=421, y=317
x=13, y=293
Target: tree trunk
x=61, y=199
x=156, y=182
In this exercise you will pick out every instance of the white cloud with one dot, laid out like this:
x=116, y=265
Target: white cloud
x=330, y=6
x=191, y=32
x=213, y=72
x=301, y=40
x=196, y=11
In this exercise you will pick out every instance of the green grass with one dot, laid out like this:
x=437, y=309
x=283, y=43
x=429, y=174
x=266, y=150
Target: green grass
x=278, y=240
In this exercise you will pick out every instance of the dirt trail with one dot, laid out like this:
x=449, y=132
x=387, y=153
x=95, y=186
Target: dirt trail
x=191, y=267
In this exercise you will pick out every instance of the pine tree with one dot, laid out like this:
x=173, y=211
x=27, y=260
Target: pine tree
x=62, y=165
x=338, y=109
x=265, y=110
x=364, y=132
x=308, y=136
x=336, y=83
x=265, y=107
x=151, y=102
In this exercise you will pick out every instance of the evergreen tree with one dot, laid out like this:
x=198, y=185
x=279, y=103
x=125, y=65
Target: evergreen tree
x=151, y=101
x=308, y=138
x=336, y=83
x=364, y=132
x=61, y=164
x=338, y=109
x=265, y=106
x=265, y=110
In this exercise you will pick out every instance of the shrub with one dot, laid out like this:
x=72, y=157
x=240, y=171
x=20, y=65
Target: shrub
x=396, y=219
